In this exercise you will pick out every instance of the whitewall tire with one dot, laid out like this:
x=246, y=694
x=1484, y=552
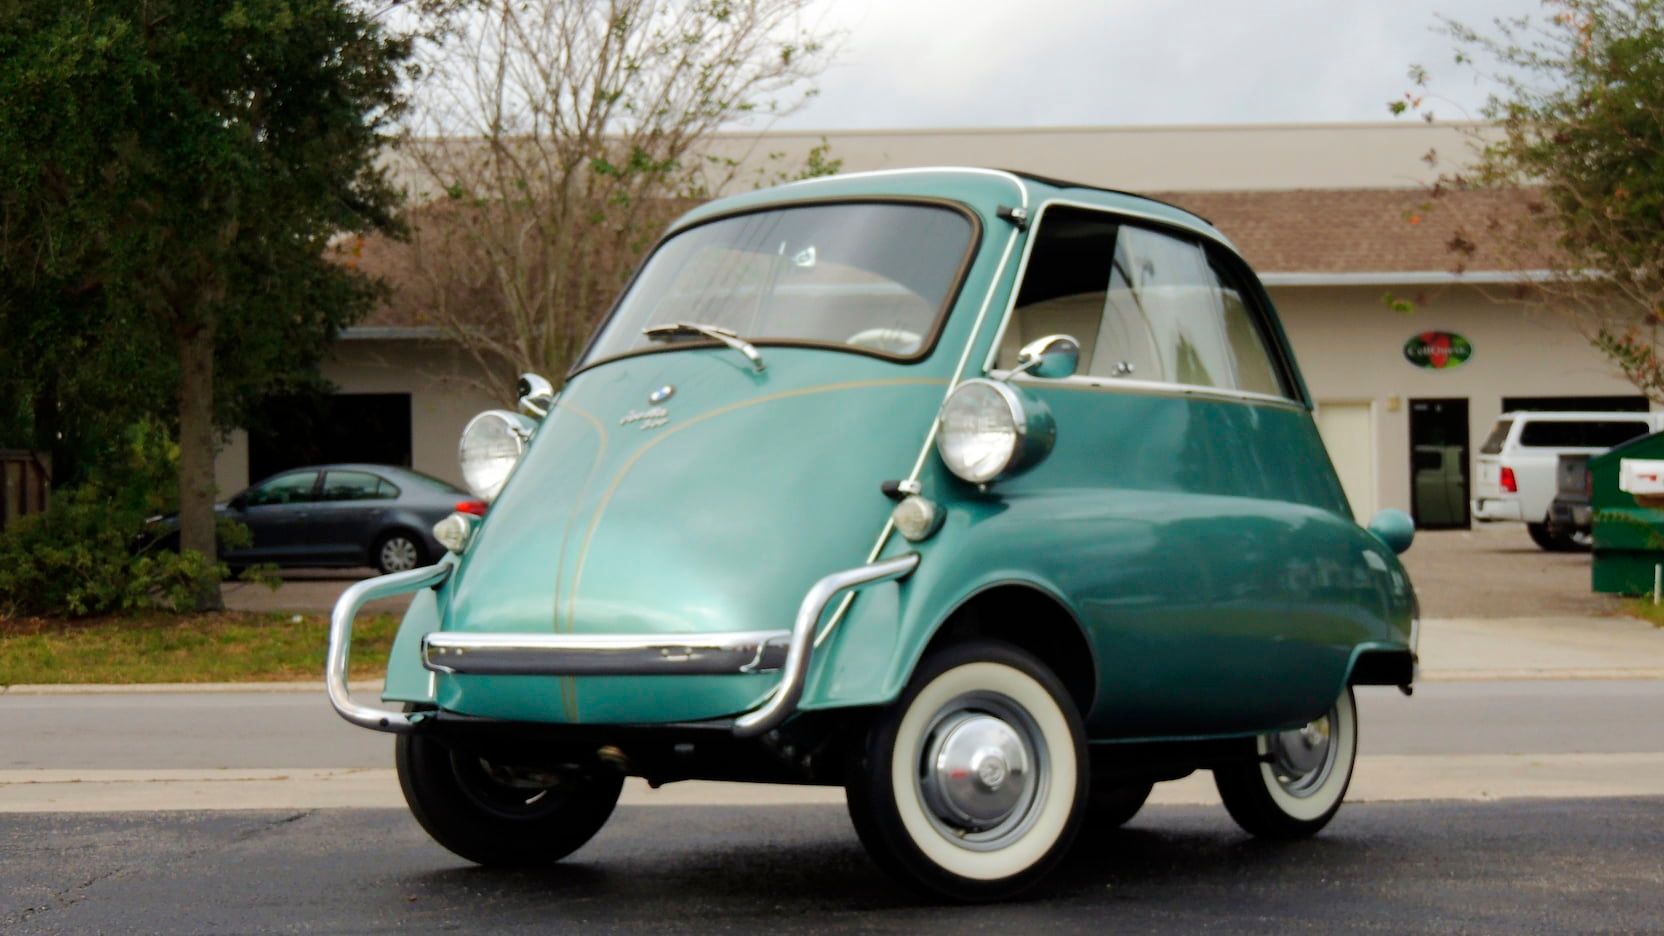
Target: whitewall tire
x=973, y=784
x=1296, y=783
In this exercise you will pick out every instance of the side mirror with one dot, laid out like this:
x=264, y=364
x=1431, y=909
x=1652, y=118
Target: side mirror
x=1052, y=357
x=537, y=394
x=1395, y=528
x=238, y=502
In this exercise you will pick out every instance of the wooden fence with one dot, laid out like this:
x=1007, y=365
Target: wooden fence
x=25, y=478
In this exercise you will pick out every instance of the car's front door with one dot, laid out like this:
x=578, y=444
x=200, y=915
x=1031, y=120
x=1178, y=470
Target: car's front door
x=348, y=512
x=277, y=513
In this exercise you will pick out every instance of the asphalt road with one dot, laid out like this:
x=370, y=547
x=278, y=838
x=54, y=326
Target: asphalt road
x=1516, y=866
x=299, y=730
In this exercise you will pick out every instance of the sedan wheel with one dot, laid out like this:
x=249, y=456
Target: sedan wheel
x=398, y=552
x=974, y=783
x=1295, y=784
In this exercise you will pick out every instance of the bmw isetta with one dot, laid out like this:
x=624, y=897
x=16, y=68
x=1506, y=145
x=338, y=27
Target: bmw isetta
x=991, y=498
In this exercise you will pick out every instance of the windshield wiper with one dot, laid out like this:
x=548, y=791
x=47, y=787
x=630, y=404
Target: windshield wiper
x=714, y=332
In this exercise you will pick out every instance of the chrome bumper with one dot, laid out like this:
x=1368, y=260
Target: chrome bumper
x=499, y=654
x=340, y=643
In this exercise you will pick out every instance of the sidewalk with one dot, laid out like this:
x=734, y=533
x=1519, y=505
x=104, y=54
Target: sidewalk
x=1541, y=648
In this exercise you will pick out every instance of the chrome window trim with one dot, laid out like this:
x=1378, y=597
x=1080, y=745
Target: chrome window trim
x=1115, y=383
x=1151, y=388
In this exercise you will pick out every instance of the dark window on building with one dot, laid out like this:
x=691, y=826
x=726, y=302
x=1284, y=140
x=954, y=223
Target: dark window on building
x=1555, y=434
x=290, y=432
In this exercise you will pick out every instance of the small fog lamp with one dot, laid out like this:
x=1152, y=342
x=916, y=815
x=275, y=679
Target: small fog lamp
x=455, y=531
x=491, y=445
x=918, y=518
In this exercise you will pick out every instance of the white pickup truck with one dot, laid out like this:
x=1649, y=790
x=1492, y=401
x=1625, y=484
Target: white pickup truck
x=1515, y=477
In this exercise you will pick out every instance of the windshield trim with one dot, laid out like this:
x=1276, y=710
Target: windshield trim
x=926, y=348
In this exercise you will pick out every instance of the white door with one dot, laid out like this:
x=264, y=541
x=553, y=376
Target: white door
x=1348, y=430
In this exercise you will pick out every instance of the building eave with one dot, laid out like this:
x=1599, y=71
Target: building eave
x=1409, y=278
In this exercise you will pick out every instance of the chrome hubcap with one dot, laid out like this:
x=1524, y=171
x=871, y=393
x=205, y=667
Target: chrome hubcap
x=1303, y=758
x=982, y=771
x=398, y=554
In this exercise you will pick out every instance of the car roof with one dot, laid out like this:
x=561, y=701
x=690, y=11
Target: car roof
x=1576, y=415
x=981, y=187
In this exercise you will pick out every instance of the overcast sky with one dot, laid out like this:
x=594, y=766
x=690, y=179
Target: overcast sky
x=949, y=63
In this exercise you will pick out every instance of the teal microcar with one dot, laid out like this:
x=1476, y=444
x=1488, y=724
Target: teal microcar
x=990, y=498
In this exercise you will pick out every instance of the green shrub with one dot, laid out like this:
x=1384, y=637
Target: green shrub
x=89, y=553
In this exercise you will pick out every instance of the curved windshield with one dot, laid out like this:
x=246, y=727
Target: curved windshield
x=873, y=277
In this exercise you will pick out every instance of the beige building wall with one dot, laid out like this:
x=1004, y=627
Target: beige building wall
x=1349, y=346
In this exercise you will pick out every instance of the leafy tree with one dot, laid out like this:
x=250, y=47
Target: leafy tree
x=551, y=142
x=1577, y=128
x=175, y=172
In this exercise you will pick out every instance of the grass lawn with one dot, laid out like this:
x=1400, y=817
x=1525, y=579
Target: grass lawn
x=232, y=646
x=1644, y=609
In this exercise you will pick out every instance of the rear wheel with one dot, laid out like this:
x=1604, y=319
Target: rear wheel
x=500, y=816
x=1297, y=782
x=1551, y=539
x=972, y=785
x=399, y=551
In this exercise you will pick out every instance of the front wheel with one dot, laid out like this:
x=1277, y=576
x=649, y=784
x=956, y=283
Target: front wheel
x=972, y=785
x=1296, y=783
x=501, y=816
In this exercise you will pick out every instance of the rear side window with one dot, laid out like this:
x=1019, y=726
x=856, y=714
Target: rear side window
x=1499, y=435
x=1602, y=434
x=356, y=485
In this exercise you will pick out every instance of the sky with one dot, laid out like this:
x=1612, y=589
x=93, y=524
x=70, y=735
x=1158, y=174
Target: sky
x=970, y=63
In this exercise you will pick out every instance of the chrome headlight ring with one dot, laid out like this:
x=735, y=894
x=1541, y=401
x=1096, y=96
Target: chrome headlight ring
x=988, y=429
x=491, y=446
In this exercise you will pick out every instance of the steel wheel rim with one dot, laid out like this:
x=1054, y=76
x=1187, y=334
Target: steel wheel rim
x=495, y=791
x=398, y=554
x=1303, y=758
x=984, y=771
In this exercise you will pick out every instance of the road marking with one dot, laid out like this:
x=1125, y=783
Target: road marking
x=1382, y=778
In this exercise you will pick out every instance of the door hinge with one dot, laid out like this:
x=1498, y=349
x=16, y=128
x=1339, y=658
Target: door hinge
x=1017, y=216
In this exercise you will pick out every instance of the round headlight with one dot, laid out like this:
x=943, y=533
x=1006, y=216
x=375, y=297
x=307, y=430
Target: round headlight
x=989, y=429
x=491, y=444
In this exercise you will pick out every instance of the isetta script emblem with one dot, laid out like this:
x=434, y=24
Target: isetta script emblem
x=646, y=418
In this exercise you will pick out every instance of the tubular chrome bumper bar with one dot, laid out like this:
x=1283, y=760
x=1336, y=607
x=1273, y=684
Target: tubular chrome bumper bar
x=667, y=654
x=340, y=642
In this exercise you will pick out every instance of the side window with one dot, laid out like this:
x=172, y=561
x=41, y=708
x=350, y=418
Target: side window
x=356, y=485
x=1560, y=434
x=1144, y=305
x=284, y=489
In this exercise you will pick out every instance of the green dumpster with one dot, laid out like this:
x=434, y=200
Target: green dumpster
x=1628, y=536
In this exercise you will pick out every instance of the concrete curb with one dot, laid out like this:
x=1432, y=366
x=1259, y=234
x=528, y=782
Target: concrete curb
x=368, y=687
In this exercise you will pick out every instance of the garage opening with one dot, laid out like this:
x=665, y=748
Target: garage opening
x=293, y=432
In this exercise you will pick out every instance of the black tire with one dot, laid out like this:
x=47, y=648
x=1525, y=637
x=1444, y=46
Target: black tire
x=492, y=823
x=1557, y=539
x=1268, y=807
x=1005, y=693
x=413, y=551
x=1113, y=807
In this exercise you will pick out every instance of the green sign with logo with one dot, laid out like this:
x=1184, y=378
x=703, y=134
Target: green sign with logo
x=1437, y=350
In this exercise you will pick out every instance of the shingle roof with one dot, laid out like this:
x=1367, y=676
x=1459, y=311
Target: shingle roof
x=1359, y=230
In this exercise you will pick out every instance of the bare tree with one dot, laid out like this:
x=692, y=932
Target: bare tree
x=553, y=140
